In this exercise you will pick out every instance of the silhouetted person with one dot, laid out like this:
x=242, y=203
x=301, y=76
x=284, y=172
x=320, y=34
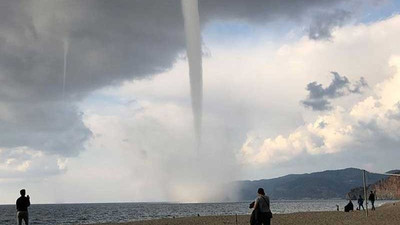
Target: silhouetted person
x=22, y=208
x=262, y=208
x=360, y=202
x=349, y=207
x=372, y=199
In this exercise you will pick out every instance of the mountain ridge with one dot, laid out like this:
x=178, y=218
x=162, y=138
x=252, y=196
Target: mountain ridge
x=326, y=184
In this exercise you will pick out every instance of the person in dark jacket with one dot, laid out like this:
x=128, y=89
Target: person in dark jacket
x=253, y=214
x=22, y=208
x=360, y=202
x=372, y=199
x=349, y=207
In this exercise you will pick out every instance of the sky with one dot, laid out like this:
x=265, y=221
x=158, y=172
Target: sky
x=95, y=98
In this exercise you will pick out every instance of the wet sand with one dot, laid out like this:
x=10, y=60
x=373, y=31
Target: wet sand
x=388, y=214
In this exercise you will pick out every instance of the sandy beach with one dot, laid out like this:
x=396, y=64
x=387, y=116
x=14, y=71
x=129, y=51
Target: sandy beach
x=387, y=214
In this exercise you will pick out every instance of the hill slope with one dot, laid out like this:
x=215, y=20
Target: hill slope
x=387, y=188
x=320, y=185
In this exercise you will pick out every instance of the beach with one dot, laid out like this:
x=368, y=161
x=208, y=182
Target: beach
x=388, y=214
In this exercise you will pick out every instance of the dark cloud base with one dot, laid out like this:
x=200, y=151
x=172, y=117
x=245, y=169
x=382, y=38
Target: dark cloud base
x=109, y=42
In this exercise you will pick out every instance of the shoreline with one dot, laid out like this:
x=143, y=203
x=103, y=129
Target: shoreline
x=385, y=214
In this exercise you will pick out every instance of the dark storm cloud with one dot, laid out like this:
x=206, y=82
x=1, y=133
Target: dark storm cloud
x=109, y=42
x=318, y=95
x=323, y=23
x=49, y=126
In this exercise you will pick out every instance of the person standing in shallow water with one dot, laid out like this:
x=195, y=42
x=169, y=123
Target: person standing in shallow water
x=262, y=209
x=22, y=208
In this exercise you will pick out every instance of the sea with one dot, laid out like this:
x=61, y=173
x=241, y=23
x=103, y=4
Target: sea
x=58, y=214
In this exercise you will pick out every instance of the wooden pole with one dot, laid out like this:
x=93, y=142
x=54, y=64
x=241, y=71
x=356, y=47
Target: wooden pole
x=236, y=219
x=365, y=194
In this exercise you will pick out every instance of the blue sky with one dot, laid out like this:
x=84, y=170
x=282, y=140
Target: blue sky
x=227, y=33
x=383, y=11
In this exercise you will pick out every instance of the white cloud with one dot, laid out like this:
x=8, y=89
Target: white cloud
x=341, y=130
x=24, y=163
x=254, y=91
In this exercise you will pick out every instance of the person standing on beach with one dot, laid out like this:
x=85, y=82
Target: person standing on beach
x=22, y=208
x=360, y=202
x=262, y=208
x=372, y=199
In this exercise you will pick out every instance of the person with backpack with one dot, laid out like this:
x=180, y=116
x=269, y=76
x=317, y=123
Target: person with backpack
x=262, y=209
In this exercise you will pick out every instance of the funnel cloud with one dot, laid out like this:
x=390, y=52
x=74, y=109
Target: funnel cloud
x=193, y=48
x=66, y=46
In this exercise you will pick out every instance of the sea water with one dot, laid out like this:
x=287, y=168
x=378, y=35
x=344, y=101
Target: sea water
x=57, y=214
